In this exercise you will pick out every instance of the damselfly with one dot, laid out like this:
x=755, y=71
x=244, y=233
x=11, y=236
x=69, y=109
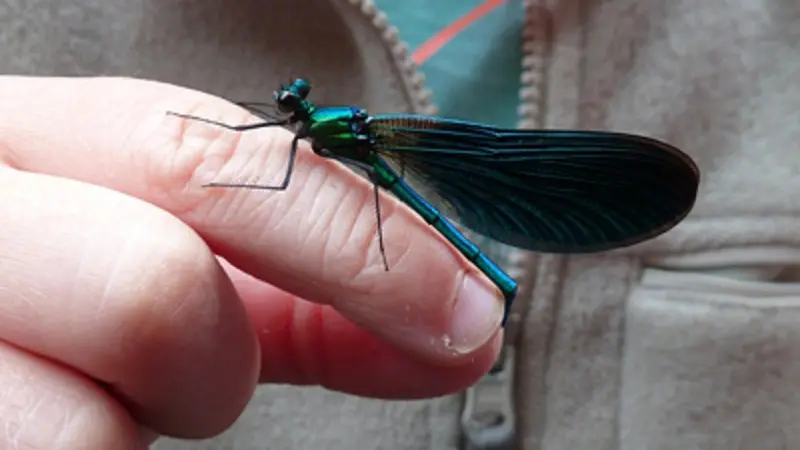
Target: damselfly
x=551, y=191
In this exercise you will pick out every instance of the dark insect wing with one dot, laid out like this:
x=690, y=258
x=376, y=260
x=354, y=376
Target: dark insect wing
x=264, y=110
x=548, y=190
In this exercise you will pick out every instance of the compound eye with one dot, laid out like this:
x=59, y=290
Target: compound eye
x=303, y=88
x=288, y=102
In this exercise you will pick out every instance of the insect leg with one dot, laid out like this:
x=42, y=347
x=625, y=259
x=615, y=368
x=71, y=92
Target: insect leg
x=369, y=171
x=280, y=187
x=380, y=226
x=251, y=126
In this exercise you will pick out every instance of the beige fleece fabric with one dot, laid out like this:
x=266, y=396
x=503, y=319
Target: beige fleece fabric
x=239, y=51
x=690, y=341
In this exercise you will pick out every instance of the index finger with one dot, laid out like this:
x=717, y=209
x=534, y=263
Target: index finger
x=317, y=239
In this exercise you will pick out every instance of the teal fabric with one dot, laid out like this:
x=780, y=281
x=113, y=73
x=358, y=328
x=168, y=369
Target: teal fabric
x=475, y=76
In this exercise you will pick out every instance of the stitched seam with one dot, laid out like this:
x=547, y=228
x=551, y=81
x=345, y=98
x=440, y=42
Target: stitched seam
x=526, y=267
x=411, y=75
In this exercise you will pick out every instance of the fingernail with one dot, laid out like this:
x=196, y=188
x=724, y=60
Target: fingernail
x=477, y=315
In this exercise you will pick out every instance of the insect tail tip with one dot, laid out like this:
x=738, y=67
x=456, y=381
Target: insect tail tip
x=504, y=322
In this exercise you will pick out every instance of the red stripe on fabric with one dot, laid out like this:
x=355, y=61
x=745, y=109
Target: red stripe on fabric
x=432, y=45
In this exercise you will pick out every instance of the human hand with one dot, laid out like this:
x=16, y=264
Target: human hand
x=118, y=322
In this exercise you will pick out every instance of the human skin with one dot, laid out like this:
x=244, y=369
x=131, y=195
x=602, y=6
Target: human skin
x=121, y=321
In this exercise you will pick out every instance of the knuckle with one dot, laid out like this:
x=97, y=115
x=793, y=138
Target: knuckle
x=346, y=247
x=189, y=153
x=330, y=219
x=353, y=242
x=84, y=417
x=98, y=423
x=160, y=282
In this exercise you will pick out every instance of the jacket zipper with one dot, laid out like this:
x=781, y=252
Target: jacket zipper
x=412, y=78
x=489, y=419
x=488, y=416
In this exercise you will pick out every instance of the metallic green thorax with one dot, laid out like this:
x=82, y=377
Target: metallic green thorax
x=344, y=134
x=337, y=130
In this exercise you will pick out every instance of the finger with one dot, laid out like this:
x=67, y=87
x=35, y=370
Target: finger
x=312, y=344
x=317, y=239
x=127, y=294
x=47, y=406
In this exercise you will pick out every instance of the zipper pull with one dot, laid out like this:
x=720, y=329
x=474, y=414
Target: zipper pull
x=488, y=421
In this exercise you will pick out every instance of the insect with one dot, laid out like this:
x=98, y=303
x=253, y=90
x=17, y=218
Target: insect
x=551, y=191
